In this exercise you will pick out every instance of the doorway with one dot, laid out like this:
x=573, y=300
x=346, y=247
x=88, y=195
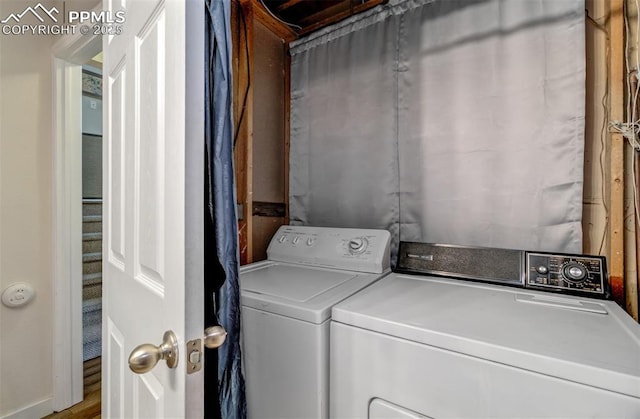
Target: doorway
x=92, y=227
x=77, y=221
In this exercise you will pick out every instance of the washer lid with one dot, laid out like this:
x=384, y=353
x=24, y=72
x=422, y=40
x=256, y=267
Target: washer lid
x=298, y=284
x=584, y=340
x=301, y=292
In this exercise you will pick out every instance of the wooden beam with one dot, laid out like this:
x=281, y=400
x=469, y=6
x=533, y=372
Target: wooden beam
x=238, y=151
x=248, y=8
x=616, y=187
x=285, y=32
x=328, y=18
x=337, y=9
x=242, y=61
x=285, y=5
x=269, y=209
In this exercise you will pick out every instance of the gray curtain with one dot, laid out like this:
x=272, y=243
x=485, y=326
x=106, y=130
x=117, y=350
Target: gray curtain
x=455, y=122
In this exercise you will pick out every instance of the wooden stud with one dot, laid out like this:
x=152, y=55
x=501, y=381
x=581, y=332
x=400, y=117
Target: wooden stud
x=242, y=83
x=616, y=217
x=237, y=41
x=616, y=198
x=248, y=7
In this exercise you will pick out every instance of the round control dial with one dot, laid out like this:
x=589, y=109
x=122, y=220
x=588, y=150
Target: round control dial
x=542, y=270
x=357, y=245
x=574, y=272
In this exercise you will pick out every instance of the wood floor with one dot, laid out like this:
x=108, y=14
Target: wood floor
x=89, y=408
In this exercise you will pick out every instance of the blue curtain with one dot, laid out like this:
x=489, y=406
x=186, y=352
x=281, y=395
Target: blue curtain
x=222, y=259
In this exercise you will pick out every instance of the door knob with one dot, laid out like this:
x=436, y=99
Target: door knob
x=214, y=336
x=144, y=357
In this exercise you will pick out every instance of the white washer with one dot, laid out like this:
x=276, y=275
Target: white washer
x=414, y=346
x=286, y=309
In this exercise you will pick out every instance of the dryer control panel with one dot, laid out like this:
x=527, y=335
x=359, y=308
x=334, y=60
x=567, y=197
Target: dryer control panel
x=581, y=275
x=573, y=274
x=362, y=250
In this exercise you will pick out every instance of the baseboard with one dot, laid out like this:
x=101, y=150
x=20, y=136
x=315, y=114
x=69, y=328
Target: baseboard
x=36, y=410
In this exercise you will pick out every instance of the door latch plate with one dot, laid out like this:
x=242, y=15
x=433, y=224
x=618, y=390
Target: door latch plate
x=194, y=356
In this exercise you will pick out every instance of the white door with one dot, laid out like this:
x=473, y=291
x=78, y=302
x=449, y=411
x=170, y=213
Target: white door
x=153, y=204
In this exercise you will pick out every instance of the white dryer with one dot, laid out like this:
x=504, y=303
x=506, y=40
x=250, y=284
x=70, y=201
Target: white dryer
x=415, y=346
x=286, y=309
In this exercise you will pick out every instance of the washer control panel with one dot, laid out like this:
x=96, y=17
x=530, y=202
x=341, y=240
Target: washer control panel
x=363, y=250
x=581, y=275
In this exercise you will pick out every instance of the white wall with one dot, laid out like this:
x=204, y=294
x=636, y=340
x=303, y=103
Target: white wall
x=25, y=216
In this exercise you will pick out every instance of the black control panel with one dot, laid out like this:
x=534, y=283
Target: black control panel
x=581, y=275
x=569, y=274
